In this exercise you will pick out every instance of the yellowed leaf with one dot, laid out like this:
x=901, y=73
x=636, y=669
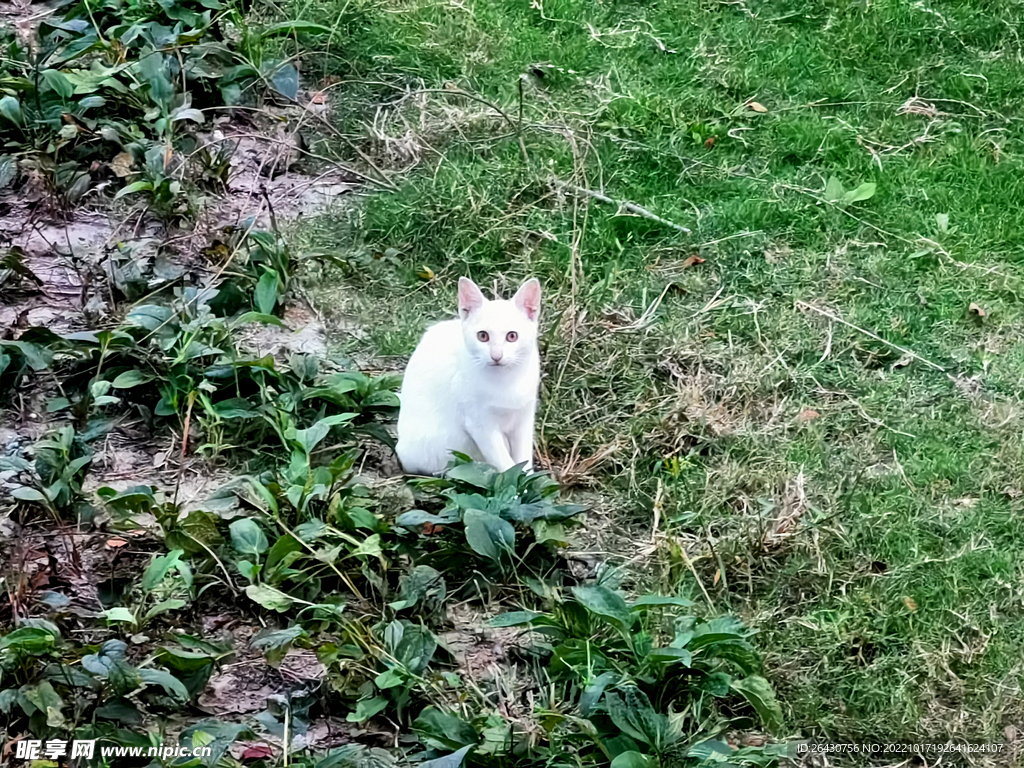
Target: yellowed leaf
x=122, y=165
x=808, y=414
x=425, y=273
x=910, y=603
x=975, y=310
x=757, y=106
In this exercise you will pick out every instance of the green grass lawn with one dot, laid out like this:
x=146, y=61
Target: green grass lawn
x=859, y=506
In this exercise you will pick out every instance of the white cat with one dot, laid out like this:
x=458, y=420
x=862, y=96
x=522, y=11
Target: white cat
x=471, y=385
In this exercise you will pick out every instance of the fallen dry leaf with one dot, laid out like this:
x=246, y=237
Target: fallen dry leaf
x=121, y=165
x=808, y=414
x=975, y=310
x=693, y=260
x=9, y=747
x=757, y=106
x=909, y=602
x=718, y=577
x=709, y=142
x=318, y=98
x=425, y=273
x=257, y=752
x=429, y=529
x=116, y=543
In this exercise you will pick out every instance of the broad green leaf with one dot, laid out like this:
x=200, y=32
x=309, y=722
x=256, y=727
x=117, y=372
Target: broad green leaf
x=276, y=642
x=605, y=603
x=119, y=614
x=388, y=679
x=31, y=640
x=266, y=292
x=834, y=190
x=416, y=648
x=864, y=192
x=593, y=692
x=136, y=186
x=634, y=716
x=165, y=680
x=634, y=760
x=367, y=708
x=489, y=535
x=666, y=656
x=454, y=760
x=443, y=730
x=216, y=735
x=282, y=548
x=163, y=606
x=415, y=519
x=717, y=630
x=184, y=661
x=739, y=652
x=188, y=114
x=110, y=653
x=24, y=493
x=759, y=693
x=247, y=537
x=712, y=752
x=475, y=474
x=651, y=601
x=149, y=316
x=421, y=583
x=11, y=109
x=44, y=698
x=718, y=684
x=154, y=70
x=269, y=598
x=158, y=569
x=131, y=378
x=285, y=81
x=121, y=710
x=58, y=83
x=370, y=546
x=259, y=317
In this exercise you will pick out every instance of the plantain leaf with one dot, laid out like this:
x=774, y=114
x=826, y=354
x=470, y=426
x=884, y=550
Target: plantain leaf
x=759, y=693
x=489, y=535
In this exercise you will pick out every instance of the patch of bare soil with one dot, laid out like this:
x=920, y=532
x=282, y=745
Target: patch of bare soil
x=271, y=168
x=62, y=256
x=303, y=333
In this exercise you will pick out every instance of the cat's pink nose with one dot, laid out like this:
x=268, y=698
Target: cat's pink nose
x=496, y=356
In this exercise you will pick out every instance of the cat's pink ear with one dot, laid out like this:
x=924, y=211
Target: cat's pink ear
x=470, y=297
x=527, y=298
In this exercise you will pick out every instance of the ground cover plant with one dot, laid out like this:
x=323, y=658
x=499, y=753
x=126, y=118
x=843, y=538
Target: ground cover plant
x=780, y=415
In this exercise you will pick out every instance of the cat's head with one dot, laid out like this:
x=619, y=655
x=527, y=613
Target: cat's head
x=499, y=332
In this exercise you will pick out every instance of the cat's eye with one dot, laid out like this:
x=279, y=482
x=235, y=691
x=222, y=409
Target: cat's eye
x=483, y=336
x=511, y=336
